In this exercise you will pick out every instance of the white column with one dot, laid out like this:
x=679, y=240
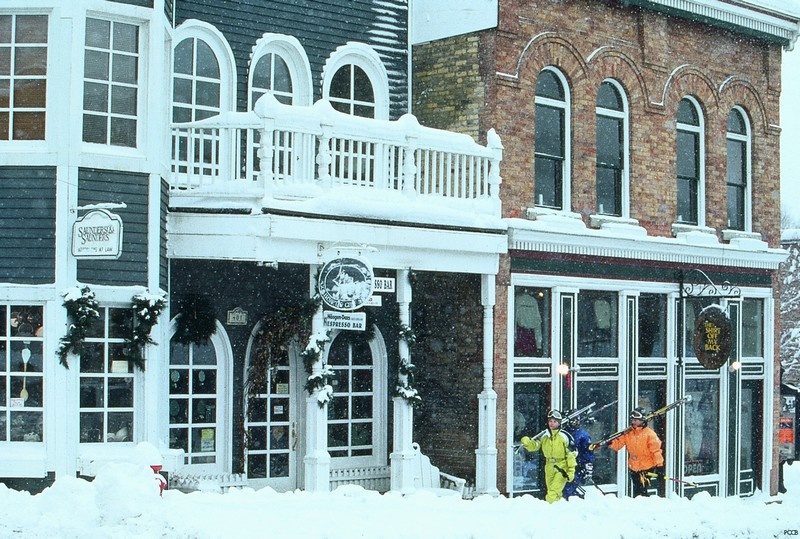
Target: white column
x=486, y=454
x=317, y=461
x=402, y=437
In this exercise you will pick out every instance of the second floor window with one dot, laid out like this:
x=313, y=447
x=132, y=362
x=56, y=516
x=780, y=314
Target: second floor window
x=271, y=74
x=351, y=92
x=738, y=150
x=610, y=136
x=111, y=83
x=196, y=82
x=23, y=76
x=689, y=162
x=550, y=144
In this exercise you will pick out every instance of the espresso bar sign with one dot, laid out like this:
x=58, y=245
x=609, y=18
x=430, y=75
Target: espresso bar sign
x=98, y=234
x=712, y=337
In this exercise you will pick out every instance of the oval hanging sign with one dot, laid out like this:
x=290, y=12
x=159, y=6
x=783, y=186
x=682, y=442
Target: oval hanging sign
x=712, y=337
x=346, y=283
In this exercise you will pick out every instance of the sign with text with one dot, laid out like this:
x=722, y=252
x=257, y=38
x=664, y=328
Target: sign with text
x=383, y=284
x=346, y=283
x=712, y=337
x=342, y=320
x=98, y=234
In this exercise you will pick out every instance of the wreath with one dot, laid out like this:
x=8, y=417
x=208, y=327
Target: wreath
x=147, y=309
x=196, y=321
x=82, y=313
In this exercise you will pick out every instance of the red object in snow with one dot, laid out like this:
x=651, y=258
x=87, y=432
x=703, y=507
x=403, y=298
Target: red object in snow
x=162, y=483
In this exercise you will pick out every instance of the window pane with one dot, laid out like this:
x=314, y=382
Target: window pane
x=701, y=431
x=735, y=207
x=125, y=69
x=752, y=328
x=688, y=149
x=340, y=83
x=604, y=423
x=283, y=80
x=687, y=113
x=29, y=126
x=548, y=85
x=531, y=322
x=262, y=73
x=549, y=131
x=609, y=141
x=736, y=172
x=608, y=97
x=547, y=191
x=98, y=33
x=207, y=64
x=362, y=86
x=531, y=403
x=126, y=37
x=31, y=29
x=123, y=132
x=208, y=94
x=184, y=52
x=30, y=61
x=609, y=182
x=736, y=123
x=687, y=201
x=597, y=324
x=123, y=100
x=652, y=325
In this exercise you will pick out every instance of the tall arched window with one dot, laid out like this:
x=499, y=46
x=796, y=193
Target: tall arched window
x=551, y=151
x=196, y=85
x=690, y=163
x=611, y=139
x=738, y=174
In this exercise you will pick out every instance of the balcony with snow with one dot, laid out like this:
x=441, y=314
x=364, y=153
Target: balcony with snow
x=316, y=161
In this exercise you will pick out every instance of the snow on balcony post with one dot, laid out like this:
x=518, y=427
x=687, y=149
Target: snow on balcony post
x=409, y=123
x=486, y=453
x=317, y=461
x=496, y=146
x=324, y=156
x=402, y=451
x=266, y=157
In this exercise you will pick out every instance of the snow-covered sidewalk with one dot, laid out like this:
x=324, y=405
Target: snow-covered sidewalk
x=123, y=501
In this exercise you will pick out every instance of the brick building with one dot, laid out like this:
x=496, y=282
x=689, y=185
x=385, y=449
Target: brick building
x=640, y=188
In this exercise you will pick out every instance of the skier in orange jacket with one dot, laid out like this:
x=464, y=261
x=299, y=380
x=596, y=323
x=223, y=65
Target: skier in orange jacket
x=644, y=452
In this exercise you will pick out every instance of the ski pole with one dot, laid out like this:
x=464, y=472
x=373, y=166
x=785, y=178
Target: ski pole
x=675, y=479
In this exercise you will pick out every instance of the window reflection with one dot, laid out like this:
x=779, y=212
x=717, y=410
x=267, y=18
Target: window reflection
x=532, y=322
x=597, y=324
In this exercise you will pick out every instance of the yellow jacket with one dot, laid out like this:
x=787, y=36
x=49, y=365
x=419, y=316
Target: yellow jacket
x=558, y=450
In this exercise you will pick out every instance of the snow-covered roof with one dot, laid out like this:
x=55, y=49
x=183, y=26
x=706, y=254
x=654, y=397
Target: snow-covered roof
x=790, y=235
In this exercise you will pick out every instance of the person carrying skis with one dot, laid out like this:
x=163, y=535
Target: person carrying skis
x=559, y=453
x=644, y=452
x=585, y=459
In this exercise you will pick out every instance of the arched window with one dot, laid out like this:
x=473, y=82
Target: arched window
x=280, y=66
x=612, y=151
x=196, y=84
x=689, y=164
x=551, y=149
x=355, y=82
x=738, y=174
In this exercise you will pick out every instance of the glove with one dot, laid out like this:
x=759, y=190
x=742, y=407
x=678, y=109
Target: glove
x=570, y=477
x=527, y=443
x=658, y=471
x=644, y=479
x=588, y=468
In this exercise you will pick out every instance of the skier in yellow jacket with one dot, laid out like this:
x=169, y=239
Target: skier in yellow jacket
x=559, y=453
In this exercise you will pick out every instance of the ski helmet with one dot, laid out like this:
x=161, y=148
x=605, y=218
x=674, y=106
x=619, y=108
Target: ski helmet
x=640, y=414
x=555, y=414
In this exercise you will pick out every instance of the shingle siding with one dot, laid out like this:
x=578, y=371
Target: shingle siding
x=27, y=225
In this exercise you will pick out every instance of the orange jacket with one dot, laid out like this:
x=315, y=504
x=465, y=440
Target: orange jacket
x=644, y=448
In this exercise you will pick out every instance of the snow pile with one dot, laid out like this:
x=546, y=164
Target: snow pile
x=123, y=501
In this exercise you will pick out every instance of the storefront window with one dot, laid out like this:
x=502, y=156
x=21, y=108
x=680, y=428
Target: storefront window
x=702, y=427
x=652, y=325
x=752, y=328
x=603, y=423
x=107, y=380
x=751, y=435
x=531, y=322
x=531, y=403
x=21, y=380
x=692, y=309
x=597, y=324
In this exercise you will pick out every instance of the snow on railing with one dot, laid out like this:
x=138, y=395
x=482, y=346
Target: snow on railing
x=280, y=151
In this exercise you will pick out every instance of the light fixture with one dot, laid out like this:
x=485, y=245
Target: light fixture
x=563, y=369
x=735, y=366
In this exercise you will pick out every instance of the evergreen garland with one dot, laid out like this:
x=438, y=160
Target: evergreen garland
x=147, y=308
x=196, y=321
x=82, y=312
x=405, y=384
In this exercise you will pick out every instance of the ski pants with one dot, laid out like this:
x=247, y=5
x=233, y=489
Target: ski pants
x=555, y=481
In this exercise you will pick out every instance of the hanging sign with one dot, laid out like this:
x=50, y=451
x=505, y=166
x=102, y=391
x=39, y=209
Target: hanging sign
x=712, y=337
x=346, y=283
x=97, y=234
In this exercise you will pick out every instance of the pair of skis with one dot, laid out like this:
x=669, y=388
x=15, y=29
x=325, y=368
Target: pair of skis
x=661, y=411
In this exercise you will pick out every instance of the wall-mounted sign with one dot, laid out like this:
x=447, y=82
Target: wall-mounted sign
x=346, y=283
x=384, y=284
x=97, y=234
x=712, y=337
x=348, y=321
x=237, y=317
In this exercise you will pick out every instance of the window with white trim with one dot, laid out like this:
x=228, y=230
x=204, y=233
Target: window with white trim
x=111, y=83
x=107, y=380
x=551, y=159
x=738, y=171
x=23, y=76
x=611, y=174
x=21, y=375
x=690, y=163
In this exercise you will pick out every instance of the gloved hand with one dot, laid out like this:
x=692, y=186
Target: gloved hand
x=527, y=443
x=570, y=476
x=588, y=468
x=658, y=471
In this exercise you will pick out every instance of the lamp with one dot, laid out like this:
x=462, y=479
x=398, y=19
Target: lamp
x=563, y=369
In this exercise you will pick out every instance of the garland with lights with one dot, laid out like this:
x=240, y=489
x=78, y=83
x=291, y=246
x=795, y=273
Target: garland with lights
x=276, y=331
x=407, y=370
x=147, y=308
x=82, y=312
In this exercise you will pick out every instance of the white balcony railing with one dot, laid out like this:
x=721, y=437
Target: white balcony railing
x=282, y=152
